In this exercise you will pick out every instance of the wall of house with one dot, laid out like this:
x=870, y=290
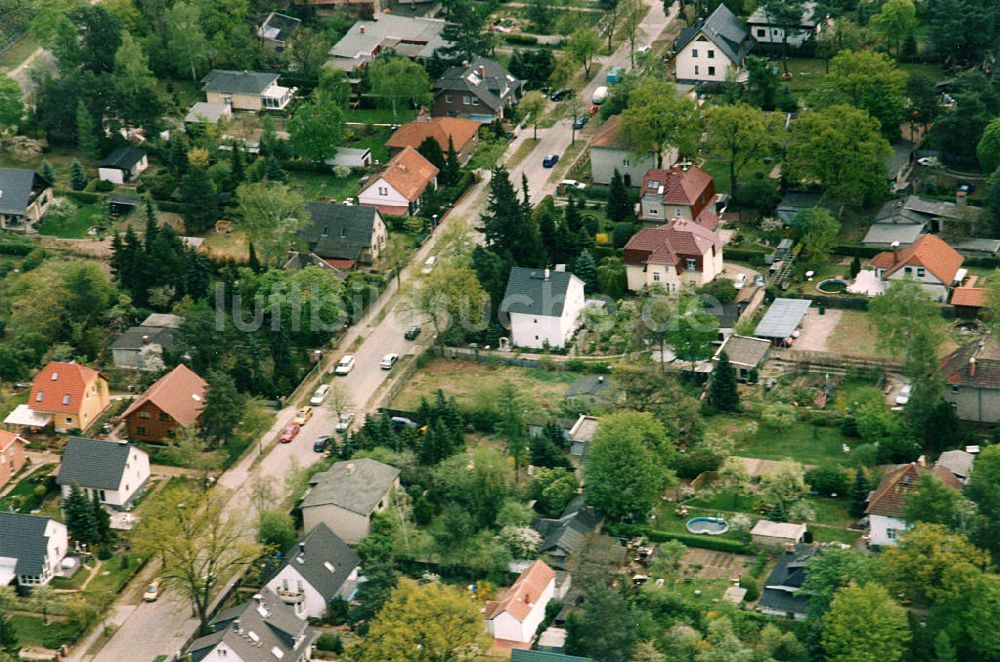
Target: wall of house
x=639, y=276
x=973, y=403
x=928, y=281
x=133, y=478
x=764, y=34
x=114, y=175
x=771, y=542
x=150, y=423
x=95, y=400
x=505, y=626
x=237, y=101
x=313, y=605
x=391, y=200
x=350, y=526
x=379, y=236
x=11, y=461
x=693, y=62
x=56, y=548
x=462, y=104
x=883, y=531
x=651, y=208
x=535, y=331
x=604, y=160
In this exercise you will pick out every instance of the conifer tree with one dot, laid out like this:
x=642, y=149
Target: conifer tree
x=509, y=231
x=275, y=172
x=450, y=173
x=86, y=133
x=619, y=206
x=777, y=513
x=855, y=266
x=586, y=270
x=79, y=513
x=77, y=176
x=858, y=493
x=102, y=521
x=722, y=392
x=237, y=171
x=9, y=642
x=48, y=173
x=431, y=150
x=252, y=261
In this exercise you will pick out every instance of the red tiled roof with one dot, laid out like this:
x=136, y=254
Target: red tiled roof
x=889, y=499
x=974, y=297
x=663, y=244
x=59, y=387
x=180, y=394
x=929, y=252
x=409, y=173
x=412, y=134
x=974, y=364
x=521, y=597
x=339, y=264
x=677, y=186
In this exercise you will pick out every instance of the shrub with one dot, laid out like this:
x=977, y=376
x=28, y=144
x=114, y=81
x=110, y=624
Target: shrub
x=517, y=38
x=18, y=248
x=828, y=479
x=104, y=186
x=693, y=464
x=330, y=642
x=751, y=586
x=104, y=554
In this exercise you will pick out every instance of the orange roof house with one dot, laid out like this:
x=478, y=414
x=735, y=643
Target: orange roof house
x=397, y=190
x=175, y=401
x=685, y=193
x=463, y=133
x=11, y=455
x=887, y=503
x=929, y=260
x=517, y=615
x=73, y=394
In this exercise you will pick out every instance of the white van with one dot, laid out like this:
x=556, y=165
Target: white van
x=600, y=94
x=346, y=365
x=320, y=395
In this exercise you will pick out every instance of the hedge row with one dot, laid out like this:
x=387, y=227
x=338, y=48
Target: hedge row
x=18, y=248
x=857, y=250
x=171, y=206
x=751, y=255
x=517, y=38
x=86, y=197
x=691, y=540
x=982, y=262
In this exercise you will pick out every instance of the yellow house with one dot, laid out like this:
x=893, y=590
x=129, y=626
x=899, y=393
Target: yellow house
x=72, y=394
x=246, y=90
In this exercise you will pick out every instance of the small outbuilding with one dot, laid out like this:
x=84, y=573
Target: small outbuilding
x=775, y=535
x=123, y=165
x=782, y=319
x=745, y=354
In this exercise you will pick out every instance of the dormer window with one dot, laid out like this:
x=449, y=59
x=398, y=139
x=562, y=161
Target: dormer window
x=66, y=399
x=39, y=396
x=55, y=376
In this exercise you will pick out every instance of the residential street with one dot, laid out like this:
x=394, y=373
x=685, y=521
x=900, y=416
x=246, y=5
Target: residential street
x=163, y=627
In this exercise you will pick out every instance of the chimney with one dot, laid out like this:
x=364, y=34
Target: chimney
x=302, y=548
x=145, y=340
x=361, y=29
x=545, y=275
x=482, y=72
x=600, y=379
x=790, y=547
x=895, y=252
x=972, y=366
x=236, y=624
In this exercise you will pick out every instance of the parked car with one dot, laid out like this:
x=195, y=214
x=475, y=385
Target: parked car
x=929, y=161
x=550, y=160
x=967, y=187
x=346, y=365
x=345, y=421
x=572, y=184
x=400, y=422
x=600, y=94
x=320, y=395
x=412, y=332
x=644, y=49
x=904, y=395
x=152, y=591
x=290, y=433
x=740, y=281
x=559, y=94
x=322, y=443
x=580, y=121
x=759, y=281
x=429, y=264
x=388, y=361
x=303, y=415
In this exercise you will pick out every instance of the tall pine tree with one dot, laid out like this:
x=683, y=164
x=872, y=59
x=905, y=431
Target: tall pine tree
x=102, y=521
x=80, y=522
x=619, y=205
x=77, y=176
x=431, y=150
x=509, y=231
x=586, y=270
x=86, y=133
x=858, y=494
x=450, y=172
x=722, y=392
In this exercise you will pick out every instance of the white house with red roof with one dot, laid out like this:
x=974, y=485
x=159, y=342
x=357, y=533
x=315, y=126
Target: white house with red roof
x=397, y=190
x=669, y=194
x=518, y=614
x=929, y=260
x=887, y=503
x=672, y=256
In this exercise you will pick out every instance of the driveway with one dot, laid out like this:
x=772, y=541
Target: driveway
x=817, y=330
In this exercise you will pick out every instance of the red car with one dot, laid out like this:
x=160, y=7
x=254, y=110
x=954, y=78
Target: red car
x=289, y=433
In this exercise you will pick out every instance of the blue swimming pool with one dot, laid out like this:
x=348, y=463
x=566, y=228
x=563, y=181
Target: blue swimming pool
x=711, y=526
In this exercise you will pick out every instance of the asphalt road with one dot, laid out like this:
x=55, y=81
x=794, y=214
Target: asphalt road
x=145, y=630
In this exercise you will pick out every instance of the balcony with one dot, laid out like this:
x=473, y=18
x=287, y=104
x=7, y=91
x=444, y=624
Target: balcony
x=290, y=597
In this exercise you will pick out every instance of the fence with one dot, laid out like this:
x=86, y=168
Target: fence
x=598, y=364
x=831, y=360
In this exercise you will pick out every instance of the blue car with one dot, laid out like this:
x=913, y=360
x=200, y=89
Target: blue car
x=550, y=160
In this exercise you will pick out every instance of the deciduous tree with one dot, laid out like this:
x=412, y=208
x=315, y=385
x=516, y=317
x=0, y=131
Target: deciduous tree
x=909, y=326
x=271, y=215
x=583, y=46
x=11, y=106
x=657, y=118
x=742, y=135
x=929, y=561
x=317, y=128
x=869, y=81
x=397, y=80
x=894, y=22
x=865, y=624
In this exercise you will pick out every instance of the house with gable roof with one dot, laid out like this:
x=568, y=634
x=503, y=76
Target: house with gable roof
x=462, y=133
x=397, y=190
x=262, y=629
x=782, y=594
x=481, y=90
x=246, y=90
x=24, y=198
x=123, y=165
x=141, y=347
x=344, y=236
x=347, y=495
x=887, y=503
x=31, y=549
x=173, y=402
x=517, y=615
x=543, y=306
x=672, y=256
x=71, y=395
x=113, y=471
x=609, y=152
x=11, y=455
x=972, y=380
x=316, y=571
x=414, y=37
x=678, y=193
x=765, y=31
x=713, y=49
x=928, y=260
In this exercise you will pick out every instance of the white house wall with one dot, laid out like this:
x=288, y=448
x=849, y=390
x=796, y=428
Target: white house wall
x=690, y=66
x=392, y=198
x=879, y=527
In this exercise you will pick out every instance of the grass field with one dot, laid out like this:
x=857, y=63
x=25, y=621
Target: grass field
x=25, y=486
x=380, y=115
x=808, y=444
x=375, y=141
x=32, y=631
x=808, y=73
x=315, y=185
x=470, y=383
x=76, y=226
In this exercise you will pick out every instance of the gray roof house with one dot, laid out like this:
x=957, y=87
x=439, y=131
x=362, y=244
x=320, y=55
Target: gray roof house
x=590, y=391
x=24, y=198
x=122, y=165
x=906, y=219
x=542, y=306
x=141, y=347
x=563, y=537
x=262, y=629
x=745, y=354
x=957, y=462
x=481, y=91
x=114, y=471
x=780, y=596
x=413, y=37
x=316, y=571
x=246, y=90
x=721, y=33
x=795, y=202
x=31, y=548
x=344, y=233
x=345, y=496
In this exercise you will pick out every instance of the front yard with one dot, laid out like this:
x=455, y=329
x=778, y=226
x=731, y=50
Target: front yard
x=802, y=442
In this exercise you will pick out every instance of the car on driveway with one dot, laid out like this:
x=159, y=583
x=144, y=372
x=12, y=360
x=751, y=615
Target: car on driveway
x=320, y=395
x=569, y=184
x=303, y=415
x=740, y=280
x=388, y=361
x=550, y=160
x=321, y=444
x=580, y=121
x=344, y=424
x=904, y=394
x=152, y=591
x=289, y=433
x=346, y=365
x=412, y=332
x=559, y=94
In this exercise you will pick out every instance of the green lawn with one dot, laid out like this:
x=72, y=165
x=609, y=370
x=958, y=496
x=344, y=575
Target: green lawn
x=808, y=73
x=315, y=185
x=76, y=226
x=118, y=573
x=823, y=534
x=375, y=141
x=32, y=631
x=17, y=53
x=831, y=511
x=25, y=487
x=380, y=115
x=808, y=444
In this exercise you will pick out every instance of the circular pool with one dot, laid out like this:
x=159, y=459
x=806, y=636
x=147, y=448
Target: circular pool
x=711, y=526
x=832, y=286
